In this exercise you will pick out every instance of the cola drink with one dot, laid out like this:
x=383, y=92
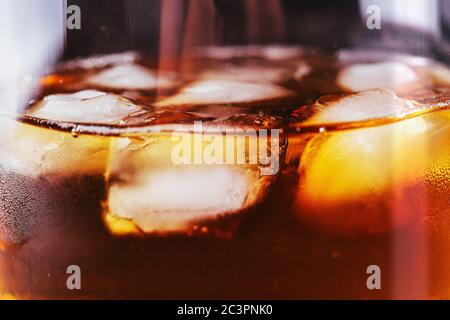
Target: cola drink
x=256, y=173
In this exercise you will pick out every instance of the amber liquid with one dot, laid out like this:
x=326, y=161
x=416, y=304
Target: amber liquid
x=271, y=256
x=274, y=250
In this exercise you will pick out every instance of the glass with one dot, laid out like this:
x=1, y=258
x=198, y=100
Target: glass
x=169, y=154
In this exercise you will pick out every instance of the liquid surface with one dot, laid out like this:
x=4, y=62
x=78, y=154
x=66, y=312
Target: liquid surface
x=354, y=172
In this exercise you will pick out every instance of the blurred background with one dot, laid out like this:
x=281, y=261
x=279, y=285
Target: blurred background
x=415, y=26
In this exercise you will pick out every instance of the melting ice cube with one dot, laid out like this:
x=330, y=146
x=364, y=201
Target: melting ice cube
x=272, y=53
x=260, y=74
x=174, y=200
x=391, y=75
x=365, y=105
x=100, y=61
x=373, y=180
x=160, y=196
x=33, y=151
x=130, y=77
x=225, y=92
x=88, y=106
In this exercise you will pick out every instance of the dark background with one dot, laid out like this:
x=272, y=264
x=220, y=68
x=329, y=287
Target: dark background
x=118, y=25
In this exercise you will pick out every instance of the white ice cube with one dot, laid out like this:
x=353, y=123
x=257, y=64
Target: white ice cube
x=129, y=77
x=272, y=52
x=173, y=200
x=376, y=179
x=276, y=53
x=100, y=61
x=260, y=74
x=365, y=105
x=88, y=106
x=225, y=92
x=150, y=189
x=391, y=75
x=34, y=150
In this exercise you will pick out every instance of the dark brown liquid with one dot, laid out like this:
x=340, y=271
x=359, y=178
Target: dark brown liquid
x=273, y=249
x=272, y=255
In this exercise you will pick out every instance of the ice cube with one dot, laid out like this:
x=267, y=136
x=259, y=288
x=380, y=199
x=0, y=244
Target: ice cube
x=174, y=200
x=101, y=61
x=271, y=53
x=260, y=74
x=372, y=180
x=157, y=195
x=362, y=106
x=277, y=53
x=130, y=77
x=391, y=75
x=88, y=106
x=225, y=92
x=35, y=162
x=33, y=151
